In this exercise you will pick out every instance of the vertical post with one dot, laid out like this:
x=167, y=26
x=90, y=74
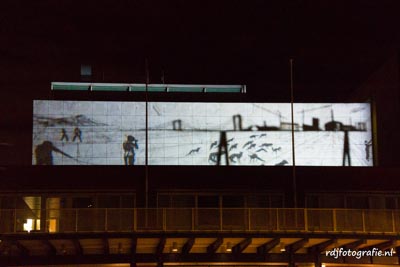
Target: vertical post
x=277, y=219
x=334, y=220
x=147, y=135
x=164, y=219
x=293, y=146
x=220, y=213
x=249, y=218
x=222, y=148
x=363, y=220
x=76, y=220
x=393, y=222
x=192, y=219
x=305, y=219
x=134, y=219
x=15, y=220
x=106, y=220
x=43, y=215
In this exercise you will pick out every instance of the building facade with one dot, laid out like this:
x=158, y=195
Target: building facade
x=199, y=212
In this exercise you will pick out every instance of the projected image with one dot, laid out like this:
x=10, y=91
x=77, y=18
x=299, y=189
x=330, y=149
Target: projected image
x=333, y=134
x=254, y=134
x=219, y=133
x=259, y=134
x=88, y=133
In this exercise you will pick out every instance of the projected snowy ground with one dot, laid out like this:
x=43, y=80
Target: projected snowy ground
x=96, y=133
x=104, y=127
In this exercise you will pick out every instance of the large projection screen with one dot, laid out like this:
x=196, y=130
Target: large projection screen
x=179, y=133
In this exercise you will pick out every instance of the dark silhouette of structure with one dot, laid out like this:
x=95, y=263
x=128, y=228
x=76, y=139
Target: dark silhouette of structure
x=313, y=127
x=346, y=149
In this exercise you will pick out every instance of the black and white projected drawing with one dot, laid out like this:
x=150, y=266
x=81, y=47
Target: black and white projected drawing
x=219, y=133
x=333, y=134
x=78, y=132
x=88, y=133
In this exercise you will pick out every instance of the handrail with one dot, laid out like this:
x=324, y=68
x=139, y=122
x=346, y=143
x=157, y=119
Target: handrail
x=199, y=219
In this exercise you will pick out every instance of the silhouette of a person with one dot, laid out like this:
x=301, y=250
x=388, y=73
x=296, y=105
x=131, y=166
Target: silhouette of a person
x=77, y=134
x=44, y=155
x=368, y=144
x=346, y=149
x=64, y=135
x=129, y=147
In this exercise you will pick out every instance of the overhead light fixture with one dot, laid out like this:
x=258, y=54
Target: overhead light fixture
x=323, y=265
x=174, y=247
x=228, y=247
x=282, y=247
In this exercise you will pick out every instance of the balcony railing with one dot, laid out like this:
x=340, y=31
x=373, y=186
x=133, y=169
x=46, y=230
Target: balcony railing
x=199, y=219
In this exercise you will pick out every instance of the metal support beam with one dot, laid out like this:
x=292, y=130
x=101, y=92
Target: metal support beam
x=241, y=246
x=133, y=245
x=22, y=249
x=382, y=246
x=355, y=244
x=318, y=248
x=296, y=245
x=133, y=251
x=265, y=248
x=106, y=246
x=160, y=246
x=317, y=262
x=188, y=245
x=78, y=247
x=213, y=247
x=51, y=249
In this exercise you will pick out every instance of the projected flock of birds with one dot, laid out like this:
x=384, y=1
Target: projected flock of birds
x=252, y=148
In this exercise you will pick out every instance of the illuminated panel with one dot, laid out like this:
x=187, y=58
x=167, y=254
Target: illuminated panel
x=88, y=133
x=333, y=134
x=253, y=134
x=190, y=133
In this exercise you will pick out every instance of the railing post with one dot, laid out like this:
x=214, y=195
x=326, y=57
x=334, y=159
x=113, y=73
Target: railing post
x=164, y=219
x=15, y=220
x=106, y=220
x=220, y=218
x=305, y=219
x=363, y=220
x=192, y=219
x=135, y=219
x=277, y=219
x=76, y=220
x=334, y=220
x=249, y=218
x=393, y=222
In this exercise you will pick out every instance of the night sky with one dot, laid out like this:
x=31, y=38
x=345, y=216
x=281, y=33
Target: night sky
x=335, y=45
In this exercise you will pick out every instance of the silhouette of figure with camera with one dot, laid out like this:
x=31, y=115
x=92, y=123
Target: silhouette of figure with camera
x=129, y=147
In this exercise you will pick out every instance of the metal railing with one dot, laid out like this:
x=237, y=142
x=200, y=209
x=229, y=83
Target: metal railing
x=199, y=219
